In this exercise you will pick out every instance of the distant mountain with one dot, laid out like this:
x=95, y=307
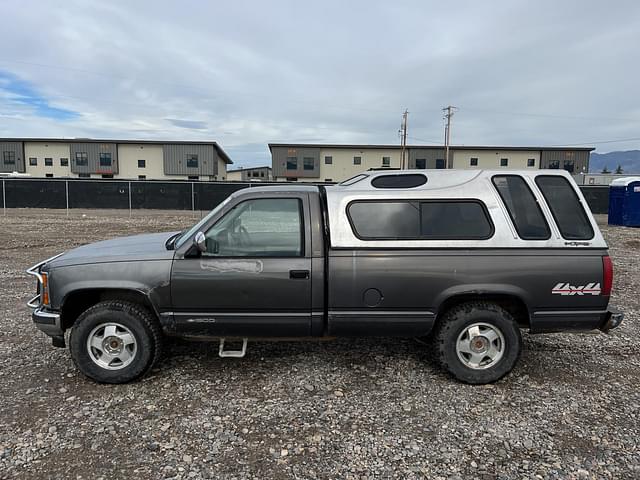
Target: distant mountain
x=629, y=161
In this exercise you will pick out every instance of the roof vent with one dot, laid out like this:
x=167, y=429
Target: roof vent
x=399, y=181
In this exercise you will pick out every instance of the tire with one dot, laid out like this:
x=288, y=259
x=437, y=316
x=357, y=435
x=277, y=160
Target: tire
x=477, y=342
x=115, y=341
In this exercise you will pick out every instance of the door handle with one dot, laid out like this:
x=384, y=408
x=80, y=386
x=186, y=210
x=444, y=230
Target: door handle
x=299, y=274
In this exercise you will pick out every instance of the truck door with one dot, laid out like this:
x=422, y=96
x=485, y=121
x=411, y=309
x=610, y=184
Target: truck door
x=254, y=279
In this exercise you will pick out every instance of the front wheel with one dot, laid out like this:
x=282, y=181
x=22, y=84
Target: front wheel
x=115, y=341
x=477, y=342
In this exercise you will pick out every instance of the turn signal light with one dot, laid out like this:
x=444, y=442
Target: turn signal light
x=45, y=288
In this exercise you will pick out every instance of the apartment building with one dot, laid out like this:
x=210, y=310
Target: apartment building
x=250, y=174
x=122, y=159
x=334, y=163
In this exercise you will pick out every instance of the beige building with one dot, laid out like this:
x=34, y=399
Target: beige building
x=334, y=163
x=47, y=159
x=496, y=159
x=250, y=174
x=121, y=159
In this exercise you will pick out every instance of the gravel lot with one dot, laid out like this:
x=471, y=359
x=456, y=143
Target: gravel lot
x=344, y=409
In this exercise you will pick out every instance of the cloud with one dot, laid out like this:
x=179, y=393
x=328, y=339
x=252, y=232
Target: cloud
x=246, y=73
x=15, y=91
x=190, y=124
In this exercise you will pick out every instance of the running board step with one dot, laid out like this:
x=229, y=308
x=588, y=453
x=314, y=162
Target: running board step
x=232, y=353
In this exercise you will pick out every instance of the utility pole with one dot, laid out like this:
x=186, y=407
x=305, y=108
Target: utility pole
x=449, y=111
x=403, y=138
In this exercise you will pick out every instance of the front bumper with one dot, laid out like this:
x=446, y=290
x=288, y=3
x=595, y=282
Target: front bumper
x=49, y=323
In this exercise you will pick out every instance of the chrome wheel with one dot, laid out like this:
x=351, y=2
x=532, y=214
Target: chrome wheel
x=480, y=346
x=112, y=346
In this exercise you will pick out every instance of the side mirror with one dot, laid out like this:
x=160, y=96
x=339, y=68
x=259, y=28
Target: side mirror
x=200, y=241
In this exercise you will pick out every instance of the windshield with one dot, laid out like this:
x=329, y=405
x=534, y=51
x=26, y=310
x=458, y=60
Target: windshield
x=193, y=230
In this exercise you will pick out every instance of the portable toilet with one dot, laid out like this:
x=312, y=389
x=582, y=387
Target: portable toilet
x=624, y=202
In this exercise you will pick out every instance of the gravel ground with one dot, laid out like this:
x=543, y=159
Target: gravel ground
x=345, y=409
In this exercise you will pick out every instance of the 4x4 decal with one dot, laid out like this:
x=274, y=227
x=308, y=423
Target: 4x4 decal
x=563, y=288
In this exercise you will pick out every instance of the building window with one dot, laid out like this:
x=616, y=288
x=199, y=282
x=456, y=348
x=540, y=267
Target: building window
x=64, y=162
x=292, y=179
x=292, y=163
x=473, y=162
x=328, y=160
x=192, y=160
x=440, y=163
x=142, y=177
x=554, y=164
x=33, y=161
x=569, y=166
x=48, y=162
x=142, y=163
x=9, y=158
x=504, y=162
x=262, y=174
x=307, y=163
x=386, y=161
x=82, y=159
x=531, y=162
x=84, y=175
x=107, y=175
x=105, y=159
x=357, y=160
x=195, y=178
x=48, y=175
x=421, y=163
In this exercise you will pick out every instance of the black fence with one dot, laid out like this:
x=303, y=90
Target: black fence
x=137, y=194
x=597, y=196
x=118, y=194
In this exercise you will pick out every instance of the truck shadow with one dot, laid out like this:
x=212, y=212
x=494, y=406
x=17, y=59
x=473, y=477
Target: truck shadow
x=542, y=359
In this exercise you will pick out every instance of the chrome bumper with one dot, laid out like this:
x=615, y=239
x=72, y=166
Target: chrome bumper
x=47, y=321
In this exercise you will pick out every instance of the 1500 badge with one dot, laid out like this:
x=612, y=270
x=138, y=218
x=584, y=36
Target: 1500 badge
x=568, y=289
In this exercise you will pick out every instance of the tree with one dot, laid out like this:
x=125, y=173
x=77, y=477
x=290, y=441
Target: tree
x=605, y=170
x=619, y=170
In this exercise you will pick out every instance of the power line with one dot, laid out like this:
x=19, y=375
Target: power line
x=438, y=142
x=550, y=115
x=620, y=140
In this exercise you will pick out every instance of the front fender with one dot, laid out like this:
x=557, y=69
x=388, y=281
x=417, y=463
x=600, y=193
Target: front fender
x=151, y=278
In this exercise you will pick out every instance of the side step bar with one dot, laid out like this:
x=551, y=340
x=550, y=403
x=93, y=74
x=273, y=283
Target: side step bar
x=232, y=353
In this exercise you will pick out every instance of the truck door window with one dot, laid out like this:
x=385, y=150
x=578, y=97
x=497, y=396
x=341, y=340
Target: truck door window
x=270, y=227
x=522, y=206
x=565, y=206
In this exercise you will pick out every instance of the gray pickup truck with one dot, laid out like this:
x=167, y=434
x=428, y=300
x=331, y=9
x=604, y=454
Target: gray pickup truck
x=463, y=258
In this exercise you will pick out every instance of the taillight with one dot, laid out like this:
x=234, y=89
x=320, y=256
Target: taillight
x=607, y=273
x=45, y=288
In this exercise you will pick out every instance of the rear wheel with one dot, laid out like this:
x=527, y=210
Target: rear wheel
x=477, y=342
x=115, y=341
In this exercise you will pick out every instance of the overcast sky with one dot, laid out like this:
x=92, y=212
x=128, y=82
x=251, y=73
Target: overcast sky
x=248, y=73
